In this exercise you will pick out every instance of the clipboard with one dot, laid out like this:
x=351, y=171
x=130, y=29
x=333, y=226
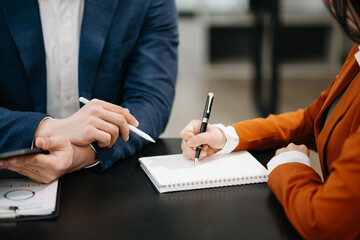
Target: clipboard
x=24, y=200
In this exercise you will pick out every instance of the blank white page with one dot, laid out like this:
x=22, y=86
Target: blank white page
x=175, y=172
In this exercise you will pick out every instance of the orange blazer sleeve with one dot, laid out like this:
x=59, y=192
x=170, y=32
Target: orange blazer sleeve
x=318, y=210
x=280, y=130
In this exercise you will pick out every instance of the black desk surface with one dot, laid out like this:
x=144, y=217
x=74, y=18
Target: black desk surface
x=121, y=203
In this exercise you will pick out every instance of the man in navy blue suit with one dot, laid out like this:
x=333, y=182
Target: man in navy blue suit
x=120, y=53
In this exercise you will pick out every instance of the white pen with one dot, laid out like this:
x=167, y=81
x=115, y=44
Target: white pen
x=131, y=128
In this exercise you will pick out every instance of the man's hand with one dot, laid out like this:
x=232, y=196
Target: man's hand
x=64, y=158
x=96, y=121
x=44, y=168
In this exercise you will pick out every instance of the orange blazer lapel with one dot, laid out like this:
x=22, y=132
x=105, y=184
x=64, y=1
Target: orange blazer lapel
x=348, y=72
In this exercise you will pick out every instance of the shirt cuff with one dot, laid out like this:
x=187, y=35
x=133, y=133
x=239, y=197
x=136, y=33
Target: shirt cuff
x=232, y=139
x=96, y=158
x=288, y=157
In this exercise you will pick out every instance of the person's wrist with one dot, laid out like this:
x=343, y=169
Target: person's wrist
x=82, y=157
x=222, y=139
x=231, y=139
x=43, y=130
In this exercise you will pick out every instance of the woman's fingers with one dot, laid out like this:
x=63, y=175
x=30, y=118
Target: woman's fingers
x=293, y=147
x=212, y=140
x=190, y=130
x=189, y=152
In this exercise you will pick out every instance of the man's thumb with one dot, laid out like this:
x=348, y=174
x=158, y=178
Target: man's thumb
x=50, y=143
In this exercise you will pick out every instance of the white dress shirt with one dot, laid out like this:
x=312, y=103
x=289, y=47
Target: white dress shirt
x=61, y=24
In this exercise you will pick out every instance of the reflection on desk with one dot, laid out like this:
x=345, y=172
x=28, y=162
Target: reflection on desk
x=121, y=203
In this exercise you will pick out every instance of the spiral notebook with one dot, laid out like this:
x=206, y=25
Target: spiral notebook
x=171, y=173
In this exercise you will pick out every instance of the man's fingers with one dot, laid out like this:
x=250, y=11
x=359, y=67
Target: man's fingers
x=35, y=168
x=104, y=132
x=33, y=174
x=53, y=143
x=103, y=138
x=121, y=123
x=31, y=163
x=113, y=121
x=130, y=119
x=117, y=109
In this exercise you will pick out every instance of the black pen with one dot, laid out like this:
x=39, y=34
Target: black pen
x=205, y=120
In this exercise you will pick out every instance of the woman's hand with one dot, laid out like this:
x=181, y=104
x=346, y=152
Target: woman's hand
x=213, y=140
x=96, y=121
x=293, y=147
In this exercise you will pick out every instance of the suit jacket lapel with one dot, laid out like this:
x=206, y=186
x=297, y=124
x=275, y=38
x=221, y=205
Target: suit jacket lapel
x=23, y=18
x=96, y=23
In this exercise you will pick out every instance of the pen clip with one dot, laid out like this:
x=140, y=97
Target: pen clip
x=211, y=97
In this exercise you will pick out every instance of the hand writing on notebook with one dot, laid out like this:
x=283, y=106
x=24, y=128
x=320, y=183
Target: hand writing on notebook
x=213, y=140
x=64, y=157
x=96, y=121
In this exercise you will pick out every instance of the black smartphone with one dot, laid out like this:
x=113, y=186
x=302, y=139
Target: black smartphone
x=22, y=152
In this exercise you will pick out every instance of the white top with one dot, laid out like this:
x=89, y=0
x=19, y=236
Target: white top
x=61, y=24
x=357, y=56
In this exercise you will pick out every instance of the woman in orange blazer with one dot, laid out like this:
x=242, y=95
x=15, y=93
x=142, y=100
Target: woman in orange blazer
x=328, y=209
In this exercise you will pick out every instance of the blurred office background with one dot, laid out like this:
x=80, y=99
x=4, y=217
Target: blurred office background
x=214, y=56
x=216, y=38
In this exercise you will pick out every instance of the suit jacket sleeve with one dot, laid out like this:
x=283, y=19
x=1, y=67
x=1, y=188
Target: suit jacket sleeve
x=18, y=128
x=149, y=87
